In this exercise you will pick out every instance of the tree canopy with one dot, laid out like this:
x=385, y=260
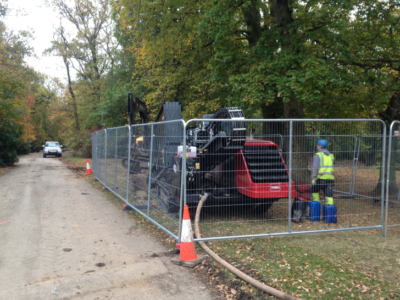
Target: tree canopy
x=274, y=59
x=281, y=58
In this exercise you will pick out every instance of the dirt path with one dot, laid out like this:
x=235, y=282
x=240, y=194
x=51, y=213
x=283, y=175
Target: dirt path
x=61, y=239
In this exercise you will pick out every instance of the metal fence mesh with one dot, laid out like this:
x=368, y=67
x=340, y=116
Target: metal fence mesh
x=358, y=153
x=257, y=173
x=250, y=191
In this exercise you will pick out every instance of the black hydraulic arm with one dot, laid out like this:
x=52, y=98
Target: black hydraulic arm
x=135, y=105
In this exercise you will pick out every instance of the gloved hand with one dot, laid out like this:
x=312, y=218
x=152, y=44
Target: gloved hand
x=313, y=182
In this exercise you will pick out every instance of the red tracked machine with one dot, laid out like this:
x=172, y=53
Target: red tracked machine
x=221, y=160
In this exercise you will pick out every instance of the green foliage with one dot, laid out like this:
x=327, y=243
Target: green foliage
x=24, y=148
x=321, y=57
x=170, y=56
x=112, y=110
x=11, y=105
x=9, y=143
x=80, y=144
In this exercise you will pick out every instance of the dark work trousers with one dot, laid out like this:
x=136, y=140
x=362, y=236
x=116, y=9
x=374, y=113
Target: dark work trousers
x=325, y=185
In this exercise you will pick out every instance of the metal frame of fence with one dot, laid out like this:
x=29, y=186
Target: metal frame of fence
x=105, y=135
x=98, y=164
x=290, y=170
x=390, y=150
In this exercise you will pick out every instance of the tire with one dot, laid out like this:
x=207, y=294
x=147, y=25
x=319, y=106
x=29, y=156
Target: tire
x=44, y=155
x=60, y=155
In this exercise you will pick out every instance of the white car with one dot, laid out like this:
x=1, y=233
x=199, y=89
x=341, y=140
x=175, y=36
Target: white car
x=52, y=148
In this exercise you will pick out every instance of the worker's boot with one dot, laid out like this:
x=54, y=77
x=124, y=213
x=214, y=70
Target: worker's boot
x=315, y=196
x=329, y=200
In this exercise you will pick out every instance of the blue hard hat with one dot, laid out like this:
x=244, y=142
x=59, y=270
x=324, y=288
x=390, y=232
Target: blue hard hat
x=323, y=143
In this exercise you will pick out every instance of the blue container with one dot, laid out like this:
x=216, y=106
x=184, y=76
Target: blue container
x=329, y=212
x=315, y=211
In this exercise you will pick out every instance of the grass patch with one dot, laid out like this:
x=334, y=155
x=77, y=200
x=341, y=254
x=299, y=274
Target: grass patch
x=354, y=265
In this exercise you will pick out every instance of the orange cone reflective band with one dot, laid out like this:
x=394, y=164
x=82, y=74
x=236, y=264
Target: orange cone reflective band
x=188, y=250
x=88, y=170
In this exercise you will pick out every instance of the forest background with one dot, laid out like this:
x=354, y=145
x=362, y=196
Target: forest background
x=274, y=59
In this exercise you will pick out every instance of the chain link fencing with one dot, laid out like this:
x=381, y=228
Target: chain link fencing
x=256, y=174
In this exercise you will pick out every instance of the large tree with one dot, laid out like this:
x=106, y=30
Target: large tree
x=89, y=51
x=62, y=47
x=171, y=56
x=16, y=95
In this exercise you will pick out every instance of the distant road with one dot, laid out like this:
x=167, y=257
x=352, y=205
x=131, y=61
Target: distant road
x=61, y=239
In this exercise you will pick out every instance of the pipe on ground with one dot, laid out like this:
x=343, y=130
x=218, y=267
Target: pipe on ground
x=232, y=269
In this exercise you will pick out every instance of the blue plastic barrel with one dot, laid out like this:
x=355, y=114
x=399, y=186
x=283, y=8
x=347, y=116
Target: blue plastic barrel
x=315, y=211
x=330, y=212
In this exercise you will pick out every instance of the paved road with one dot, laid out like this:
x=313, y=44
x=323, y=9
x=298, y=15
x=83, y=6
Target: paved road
x=61, y=239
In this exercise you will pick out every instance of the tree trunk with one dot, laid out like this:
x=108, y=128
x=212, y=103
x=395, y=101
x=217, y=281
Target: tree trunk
x=252, y=16
x=294, y=110
x=391, y=114
x=71, y=92
x=274, y=131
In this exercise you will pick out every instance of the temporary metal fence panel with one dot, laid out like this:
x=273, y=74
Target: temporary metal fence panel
x=352, y=194
x=165, y=194
x=131, y=162
x=117, y=149
x=243, y=172
x=254, y=185
x=392, y=212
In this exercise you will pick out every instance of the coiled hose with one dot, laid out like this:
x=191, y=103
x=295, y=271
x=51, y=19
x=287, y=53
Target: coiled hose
x=232, y=269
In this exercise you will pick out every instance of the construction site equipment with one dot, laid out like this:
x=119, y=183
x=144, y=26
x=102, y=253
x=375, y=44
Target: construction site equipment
x=220, y=159
x=245, y=217
x=315, y=211
x=329, y=213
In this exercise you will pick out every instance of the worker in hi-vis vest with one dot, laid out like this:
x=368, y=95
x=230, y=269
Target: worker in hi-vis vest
x=322, y=173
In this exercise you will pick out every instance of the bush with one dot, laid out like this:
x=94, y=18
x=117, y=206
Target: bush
x=24, y=148
x=81, y=144
x=9, y=143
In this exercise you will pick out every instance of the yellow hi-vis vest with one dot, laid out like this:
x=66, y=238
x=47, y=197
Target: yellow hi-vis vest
x=325, y=171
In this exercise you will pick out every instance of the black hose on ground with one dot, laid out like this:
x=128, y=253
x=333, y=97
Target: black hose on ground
x=232, y=269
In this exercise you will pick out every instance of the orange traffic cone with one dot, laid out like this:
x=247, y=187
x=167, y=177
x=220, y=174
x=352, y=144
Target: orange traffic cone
x=88, y=169
x=188, y=250
x=188, y=256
